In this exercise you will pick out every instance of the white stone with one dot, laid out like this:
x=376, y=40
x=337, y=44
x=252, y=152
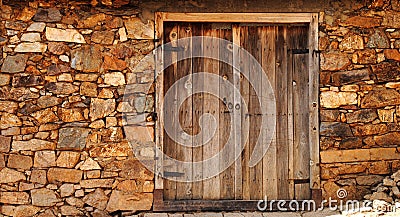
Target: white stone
x=66, y=35
x=122, y=34
x=28, y=47
x=36, y=27
x=87, y=31
x=14, y=40
x=67, y=190
x=114, y=79
x=90, y=164
x=31, y=37
x=65, y=77
x=333, y=99
x=138, y=30
x=64, y=58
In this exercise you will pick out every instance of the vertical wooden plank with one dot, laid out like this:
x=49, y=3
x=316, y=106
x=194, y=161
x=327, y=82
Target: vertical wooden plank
x=282, y=109
x=198, y=66
x=270, y=182
x=244, y=90
x=291, y=110
x=211, y=185
x=184, y=152
x=314, y=103
x=159, y=24
x=301, y=151
x=225, y=124
x=170, y=35
x=237, y=113
x=254, y=46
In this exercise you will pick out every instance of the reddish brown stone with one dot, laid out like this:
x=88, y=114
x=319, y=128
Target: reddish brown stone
x=386, y=71
x=335, y=129
x=369, y=129
x=5, y=143
x=388, y=139
x=361, y=116
x=351, y=143
x=367, y=56
x=57, y=48
x=122, y=52
x=352, y=168
x=334, y=61
x=112, y=63
x=103, y=37
x=392, y=54
x=348, y=77
x=380, y=168
x=19, y=161
x=363, y=22
x=381, y=98
x=64, y=175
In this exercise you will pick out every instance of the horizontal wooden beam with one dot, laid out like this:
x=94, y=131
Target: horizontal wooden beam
x=237, y=17
x=161, y=205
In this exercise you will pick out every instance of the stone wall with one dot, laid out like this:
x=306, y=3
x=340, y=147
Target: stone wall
x=359, y=98
x=64, y=67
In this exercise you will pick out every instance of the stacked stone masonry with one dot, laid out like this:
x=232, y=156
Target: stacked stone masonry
x=63, y=72
x=64, y=69
x=359, y=97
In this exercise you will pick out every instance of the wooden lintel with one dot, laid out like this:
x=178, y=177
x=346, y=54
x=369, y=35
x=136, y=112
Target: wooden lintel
x=237, y=17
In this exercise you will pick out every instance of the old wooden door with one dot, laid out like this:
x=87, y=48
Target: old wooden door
x=284, y=171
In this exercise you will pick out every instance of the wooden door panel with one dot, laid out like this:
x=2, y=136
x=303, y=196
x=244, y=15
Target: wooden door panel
x=284, y=170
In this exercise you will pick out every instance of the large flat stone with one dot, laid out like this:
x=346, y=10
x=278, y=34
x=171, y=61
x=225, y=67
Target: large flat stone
x=334, y=61
x=381, y=98
x=343, y=156
x=97, y=183
x=44, y=197
x=348, y=77
x=72, y=138
x=378, y=39
x=14, y=64
x=137, y=29
x=27, y=80
x=28, y=47
x=19, y=161
x=65, y=35
x=61, y=88
x=100, y=108
x=10, y=176
x=388, y=139
x=97, y=199
x=33, y=145
x=120, y=200
x=386, y=71
x=335, y=129
x=363, y=116
x=363, y=22
x=16, y=198
x=49, y=15
x=55, y=175
x=87, y=58
x=333, y=99
x=5, y=143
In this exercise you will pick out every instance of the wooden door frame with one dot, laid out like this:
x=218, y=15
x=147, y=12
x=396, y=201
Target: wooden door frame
x=272, y=18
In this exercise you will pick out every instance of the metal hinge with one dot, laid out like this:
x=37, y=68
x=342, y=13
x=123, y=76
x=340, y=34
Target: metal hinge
x=170, y=48
x=173, y=174
x=299, y=51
